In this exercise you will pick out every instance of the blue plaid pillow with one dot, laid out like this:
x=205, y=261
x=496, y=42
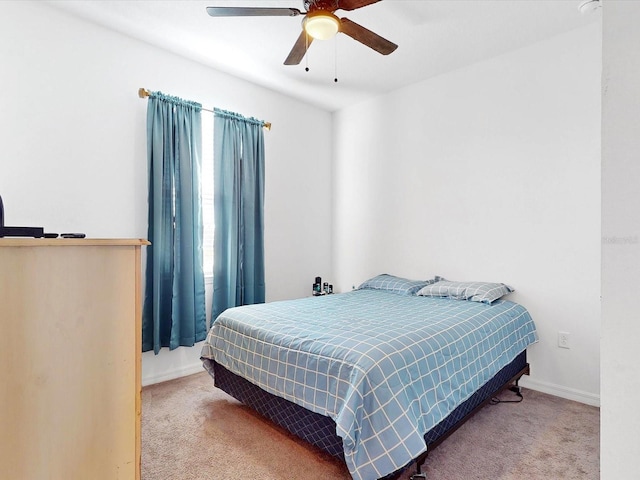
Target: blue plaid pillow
x=391, y=283
x=484, y=292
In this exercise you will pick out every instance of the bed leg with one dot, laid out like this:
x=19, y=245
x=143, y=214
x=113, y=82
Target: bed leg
x=419, y=475
x=517, y=389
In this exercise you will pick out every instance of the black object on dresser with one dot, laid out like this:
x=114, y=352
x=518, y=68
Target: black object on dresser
x=37, y=232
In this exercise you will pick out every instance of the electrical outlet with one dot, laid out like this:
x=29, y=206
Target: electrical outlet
x=563, y=340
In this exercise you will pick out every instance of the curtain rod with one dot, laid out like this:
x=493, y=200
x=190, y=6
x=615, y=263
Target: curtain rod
x=143, y=92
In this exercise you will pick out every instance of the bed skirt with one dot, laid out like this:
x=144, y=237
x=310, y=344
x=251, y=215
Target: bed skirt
x=320, y=430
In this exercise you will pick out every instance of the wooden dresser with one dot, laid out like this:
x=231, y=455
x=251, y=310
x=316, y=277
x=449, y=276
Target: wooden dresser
x=70, y=355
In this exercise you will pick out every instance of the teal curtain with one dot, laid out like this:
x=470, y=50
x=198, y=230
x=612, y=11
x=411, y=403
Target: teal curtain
x=238, y=260
x=174, y=300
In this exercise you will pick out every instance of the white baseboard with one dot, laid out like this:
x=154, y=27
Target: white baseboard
x=560, y=391
x=166, y=375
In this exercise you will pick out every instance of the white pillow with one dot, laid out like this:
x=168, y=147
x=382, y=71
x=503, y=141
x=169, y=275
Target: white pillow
x=484, y=292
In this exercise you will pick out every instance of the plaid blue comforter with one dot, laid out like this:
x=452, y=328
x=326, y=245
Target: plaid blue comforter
x=385, y=367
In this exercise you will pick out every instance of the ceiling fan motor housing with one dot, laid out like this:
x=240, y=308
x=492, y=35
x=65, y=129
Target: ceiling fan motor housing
x=326, y=5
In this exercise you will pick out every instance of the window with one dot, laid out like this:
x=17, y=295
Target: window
x=206, y=176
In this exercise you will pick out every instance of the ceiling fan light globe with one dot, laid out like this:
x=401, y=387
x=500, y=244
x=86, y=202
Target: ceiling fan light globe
x=321, y=25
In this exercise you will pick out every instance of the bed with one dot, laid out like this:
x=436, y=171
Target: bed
x=374, y=376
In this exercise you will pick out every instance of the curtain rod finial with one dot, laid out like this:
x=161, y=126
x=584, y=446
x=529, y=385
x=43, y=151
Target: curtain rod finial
x=143, y=92
x=267, y=125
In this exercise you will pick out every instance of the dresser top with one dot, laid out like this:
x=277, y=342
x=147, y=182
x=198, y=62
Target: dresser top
x=62, y=242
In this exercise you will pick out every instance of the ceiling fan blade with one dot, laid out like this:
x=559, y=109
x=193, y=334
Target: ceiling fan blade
x=366, y=37
x=299, y=49
x=353, y=4
x=252, y=12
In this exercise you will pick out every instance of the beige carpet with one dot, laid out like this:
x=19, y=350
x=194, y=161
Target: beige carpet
x=192, y=430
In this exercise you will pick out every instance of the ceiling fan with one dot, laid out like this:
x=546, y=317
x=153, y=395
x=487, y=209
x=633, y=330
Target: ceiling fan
x=319, y=23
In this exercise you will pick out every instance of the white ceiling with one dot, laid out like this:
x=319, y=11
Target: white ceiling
x=434, y=36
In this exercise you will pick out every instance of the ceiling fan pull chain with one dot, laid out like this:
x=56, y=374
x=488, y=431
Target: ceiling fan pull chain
x=335, y=59
x=306, y=49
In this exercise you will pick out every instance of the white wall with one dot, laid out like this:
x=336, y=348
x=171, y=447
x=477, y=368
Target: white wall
x=73, y=137
x=490, y=173
x=620, y=416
